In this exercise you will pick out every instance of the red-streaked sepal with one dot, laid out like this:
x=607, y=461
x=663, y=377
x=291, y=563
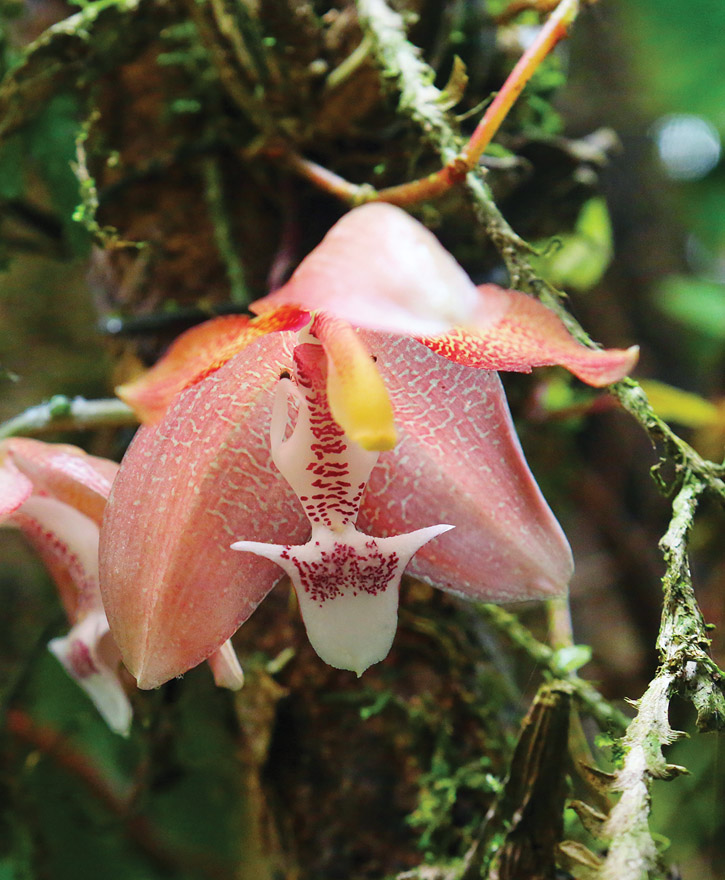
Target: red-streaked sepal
x=459, y=461
x=67, y=541
x=527, y=334
x=15, y=487
x=347, y=586
x=197, y=353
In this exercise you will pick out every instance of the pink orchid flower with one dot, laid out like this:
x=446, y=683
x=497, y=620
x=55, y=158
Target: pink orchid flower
x=379, y=355
x=56, y=495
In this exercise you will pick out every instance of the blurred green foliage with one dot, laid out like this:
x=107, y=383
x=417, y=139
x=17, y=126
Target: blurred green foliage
x=579, y=259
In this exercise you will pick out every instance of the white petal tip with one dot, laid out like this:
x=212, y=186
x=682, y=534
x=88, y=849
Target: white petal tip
x=268, y=551
x=101, y=684
x=226, y=668
x=353, y=631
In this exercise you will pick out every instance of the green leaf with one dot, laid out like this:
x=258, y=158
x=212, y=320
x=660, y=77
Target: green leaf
x=571, y=658
x=694, y=302
x=675, y=405
x=582, y=256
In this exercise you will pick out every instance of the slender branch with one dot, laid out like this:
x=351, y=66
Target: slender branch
x=555, y=29
x=420, y=99
x=323, y=178
x=239, y=293
x=592, y=702
x=685, y=667
x=62, y=413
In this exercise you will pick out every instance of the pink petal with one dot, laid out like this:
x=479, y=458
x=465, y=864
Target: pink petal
x=225, y=667
x=197, y=353
x=15, y=488
x=67, y=542
x=381, y=269
x=459, y=461
x=172, y=589
x=65, y=472
x=526, y=335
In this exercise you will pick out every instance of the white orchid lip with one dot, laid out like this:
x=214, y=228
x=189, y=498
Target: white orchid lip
x=346, y=581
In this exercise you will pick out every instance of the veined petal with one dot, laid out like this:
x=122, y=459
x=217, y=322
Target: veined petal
x=89, y=655
x=67, y=473
x=67, y=542
x=527, y=335
x=379, y=268
x=197, y=353
x=186, y=489
x=358, y=399
x=15, y=487
x=459, y=460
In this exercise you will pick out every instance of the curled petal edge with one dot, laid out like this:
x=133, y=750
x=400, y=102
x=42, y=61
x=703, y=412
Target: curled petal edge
x=527, y=335
x=197, y=353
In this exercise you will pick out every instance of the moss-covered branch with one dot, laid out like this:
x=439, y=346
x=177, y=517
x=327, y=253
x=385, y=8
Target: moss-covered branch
x=75, y=52
x=62, y=413
x=685, y=668
x=590, y=700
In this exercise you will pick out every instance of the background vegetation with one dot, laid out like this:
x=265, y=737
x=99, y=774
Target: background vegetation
x=146, y=183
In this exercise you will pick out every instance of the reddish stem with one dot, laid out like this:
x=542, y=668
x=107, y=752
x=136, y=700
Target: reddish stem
x=454, y=172
x=555, y=29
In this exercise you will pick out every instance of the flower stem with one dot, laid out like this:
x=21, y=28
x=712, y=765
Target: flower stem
x=386, y=34
x=555, y=29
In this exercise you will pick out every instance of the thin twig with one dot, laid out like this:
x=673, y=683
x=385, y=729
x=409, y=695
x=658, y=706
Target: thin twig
x=239, y=293
x=62, y=413
x=419, y=98
x=592, y=702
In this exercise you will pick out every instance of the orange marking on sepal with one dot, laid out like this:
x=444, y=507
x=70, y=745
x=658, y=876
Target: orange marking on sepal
x=528, y=335
x=358, y=399
x=197, y=353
